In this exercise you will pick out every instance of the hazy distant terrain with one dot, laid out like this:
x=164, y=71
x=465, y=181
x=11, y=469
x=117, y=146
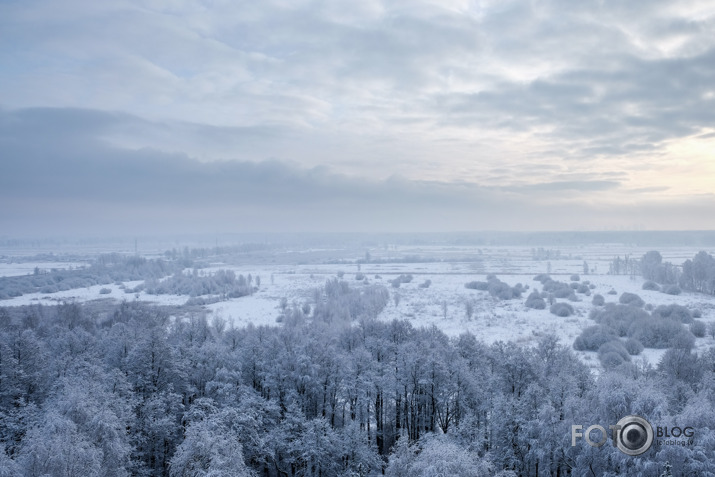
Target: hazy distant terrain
x=291, y=271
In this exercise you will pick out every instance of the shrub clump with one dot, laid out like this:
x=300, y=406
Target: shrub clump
x=655, y=332
x=561, y=309
x=496, y=288
x=583, y=288
x=633, y=346
x=674, y=312
x=563, y=293
x=535, y=301
x=672, y=290
x=612, y=292
x=698, y=328
x=593, y=337
x=631, y=299
x=618, y=317
x=598, y=300
x=575, y=277
x=683, y=339
x=651, y=285
x=400, y=280
x=476, y=285
x=613, y=353
x=503, y=291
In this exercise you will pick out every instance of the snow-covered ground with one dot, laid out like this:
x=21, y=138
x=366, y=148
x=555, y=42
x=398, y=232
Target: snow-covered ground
x=444, y=302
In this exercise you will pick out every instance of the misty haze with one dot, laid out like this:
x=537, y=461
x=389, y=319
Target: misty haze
x=428, y=238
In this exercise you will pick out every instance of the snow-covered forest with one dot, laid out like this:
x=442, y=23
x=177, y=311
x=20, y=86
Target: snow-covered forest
x=338, y=384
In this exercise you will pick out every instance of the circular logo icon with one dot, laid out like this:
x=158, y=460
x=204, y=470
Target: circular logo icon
x=635, y=435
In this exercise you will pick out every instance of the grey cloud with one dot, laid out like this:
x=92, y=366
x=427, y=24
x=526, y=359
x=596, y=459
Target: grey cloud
x=205, y=95
x=584, y=186
x=643, y=104
x=642, y=190
x=70, y=179
x=73, y=166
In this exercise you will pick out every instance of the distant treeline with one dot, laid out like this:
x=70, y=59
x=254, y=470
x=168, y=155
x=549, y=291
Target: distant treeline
x=45, y=257
x=545, y=254
x=105, y=269
x=223, y=283
x=206, y=252
x=696, y=274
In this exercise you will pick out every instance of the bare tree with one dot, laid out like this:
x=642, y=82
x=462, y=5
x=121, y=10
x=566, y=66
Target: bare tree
x=469, y=308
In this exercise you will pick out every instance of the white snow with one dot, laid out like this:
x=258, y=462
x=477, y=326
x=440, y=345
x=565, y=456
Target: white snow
x=493, y=320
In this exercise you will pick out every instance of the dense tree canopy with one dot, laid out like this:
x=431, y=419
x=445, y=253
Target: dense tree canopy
x=134, y=391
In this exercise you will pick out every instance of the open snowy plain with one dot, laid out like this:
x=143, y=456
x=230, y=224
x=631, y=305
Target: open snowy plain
x=436, y=295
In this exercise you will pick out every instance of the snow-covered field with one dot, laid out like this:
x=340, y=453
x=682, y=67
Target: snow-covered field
x=15, y=269
x=444, y=303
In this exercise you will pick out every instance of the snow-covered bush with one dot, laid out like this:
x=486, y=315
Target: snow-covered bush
x=502, y=290
x=477, y=285
x=436, y=455
x=633, y=346
x=612, y=354
x=683, y=339
x=698, y=328
x=674, y=312
x=496, y=288
x=561, y=309
x=593, y=337
x=655, y=332
x=535, y=301
x=672, y=290
x=618, y=317
x=631, y=299
x=651, y=285
x=573, y=297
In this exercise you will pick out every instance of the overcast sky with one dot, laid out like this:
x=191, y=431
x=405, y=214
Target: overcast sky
x=293, y=115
